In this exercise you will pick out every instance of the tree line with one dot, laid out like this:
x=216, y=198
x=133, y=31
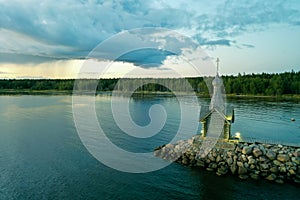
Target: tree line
x=246, y=84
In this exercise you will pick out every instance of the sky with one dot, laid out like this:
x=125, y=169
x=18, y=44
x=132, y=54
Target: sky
x=53, y=39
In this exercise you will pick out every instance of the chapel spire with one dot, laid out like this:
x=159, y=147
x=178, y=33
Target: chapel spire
x=217, y=101
x=218, y=61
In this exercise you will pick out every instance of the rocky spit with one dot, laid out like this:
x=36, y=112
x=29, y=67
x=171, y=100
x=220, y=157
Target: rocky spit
x=276, y=163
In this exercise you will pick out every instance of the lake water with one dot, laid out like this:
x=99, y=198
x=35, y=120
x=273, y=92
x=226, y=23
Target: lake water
x=42, y=157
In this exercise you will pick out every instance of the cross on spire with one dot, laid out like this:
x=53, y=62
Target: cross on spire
x=218, y=61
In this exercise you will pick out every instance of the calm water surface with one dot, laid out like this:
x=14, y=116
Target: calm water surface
x=41, y=156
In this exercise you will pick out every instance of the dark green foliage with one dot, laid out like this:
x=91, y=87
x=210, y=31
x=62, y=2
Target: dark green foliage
x=253, y=84
x=263, y=84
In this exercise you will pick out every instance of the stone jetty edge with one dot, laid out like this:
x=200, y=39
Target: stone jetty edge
x=276, y=163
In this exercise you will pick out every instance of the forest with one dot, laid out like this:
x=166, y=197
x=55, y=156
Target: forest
x=243, y=84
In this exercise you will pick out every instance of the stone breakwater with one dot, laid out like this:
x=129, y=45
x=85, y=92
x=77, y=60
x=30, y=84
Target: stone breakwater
x=276, y=163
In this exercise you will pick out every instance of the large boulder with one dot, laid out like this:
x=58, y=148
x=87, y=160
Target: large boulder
x=242, y=170
x=233, y=168
x=271, y=177
x=200, y=163
x=240, y=164
x=243, y=176
x=296, y=160
x=222, y=170
x=296, y=154
x=229, y=161
x=283, y=157
x=255, y=176
x=271, y=155
x=274, y=169
x=277, y=163
x=247, y=150
x=257, y=152
x=264, y=166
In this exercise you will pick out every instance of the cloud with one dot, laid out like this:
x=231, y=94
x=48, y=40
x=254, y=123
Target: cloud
x=146, y=57
x=23, y=58
x=297, y=23
x=70, y=29
x=221, y=42
x=248, y=45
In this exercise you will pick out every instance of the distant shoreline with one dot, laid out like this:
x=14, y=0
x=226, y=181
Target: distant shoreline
x=70, y=92
x=279, y=86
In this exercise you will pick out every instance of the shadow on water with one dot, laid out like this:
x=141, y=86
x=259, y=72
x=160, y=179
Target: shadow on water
x=211, y=186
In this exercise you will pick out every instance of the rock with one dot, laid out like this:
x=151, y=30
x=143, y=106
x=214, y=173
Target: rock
x=254, y=176
x=233, y=168
x=290, y=164
x=280, y=181
x=272, y=162
x=264, y=174
x=251, y=161
x=271, y=177
x=200, y=163
x=192, y=157
x=223, y=170
x=282, y=169
x=271, y=155
x=214, y=153
x=262, y=148
x=296, y=160
x=262, y=159
x=169, y=146
x=273, y=169
x=221, y=163
x=296, y=180
x=229, y=153
x=257, y=152
x=218, y=159
x=247, y=150
x=257, y=172
x=244, y=158
x=252, y=166
x=210, y=169
x=213, y=165
x=242, y=170
x=243, y=176
x=296, y=154
x=218, y=173
x=264, y=166
x=211, y=158
x=283, y=157
x=292, y=172
x=157, y=153
x=229, y=161
x=193, y=162
x=185, y=161
x=276, y=162
x=235, y=157
x=238, y=149
x=240, y=164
